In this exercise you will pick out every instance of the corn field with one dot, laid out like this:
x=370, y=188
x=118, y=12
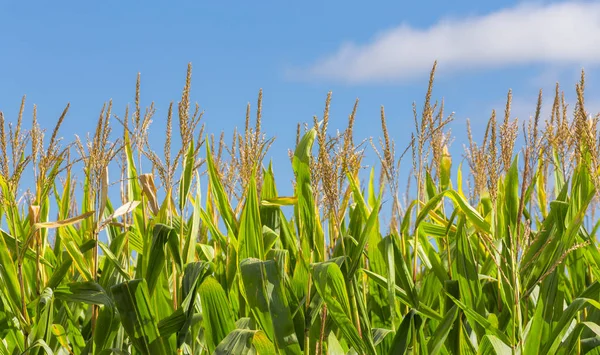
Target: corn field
x=492, y=252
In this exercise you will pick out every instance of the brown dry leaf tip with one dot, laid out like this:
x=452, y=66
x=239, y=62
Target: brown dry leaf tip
x=315, y=164
x=149, y=189
x=169, y=129
x=351, y=118
x=477, y=158
x=508, y=135
x=413, y=145
x=536, y=121
x=106, y=126
x=436, y=141
x=387, y=159
x=570, y=146
x=258, y=143
x=18, y=141
x=99, y=129
x=382, y=173
x=138, y=112
x=11, y=140
x=387, y=151
x=551, y=127
x=3, y=148
x=123, y=159
x=54, y=137
x=141, y=133
x=184, y=107
x=245, y=149
x=257, y=130
x=427, y=105
x=199, y=145
x=586, y=129
x=126, y=122
x=35, y=137
x=221, y=145
x=348, y=154
x=17, y=135
x=234, y=144
x=492, y=161
x=532, y=144
x=232, y=166
x=216, y=152
x=247, y=122
x=473, y=156
x=322, y=130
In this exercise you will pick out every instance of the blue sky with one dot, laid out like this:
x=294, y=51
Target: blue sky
x=88, y=52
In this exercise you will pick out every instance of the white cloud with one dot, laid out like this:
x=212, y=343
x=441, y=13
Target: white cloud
x=558, y=33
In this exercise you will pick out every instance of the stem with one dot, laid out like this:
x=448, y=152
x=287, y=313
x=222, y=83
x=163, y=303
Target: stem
x=98, y=217
x=448, y=254
x=23, y=304
x=11, y=222
x=416, y=232
x=95, y=275
x=414, y=338
x=22, y=289
x=517, y=309
x=397, y=209
x=415, y=256
x=319, y=350
x=37, y=263
x=175, y=276
x=306, y=309
x=354, y=306
x=174, y=271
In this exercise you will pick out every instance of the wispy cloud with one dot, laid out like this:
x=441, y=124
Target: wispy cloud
x=556, y=33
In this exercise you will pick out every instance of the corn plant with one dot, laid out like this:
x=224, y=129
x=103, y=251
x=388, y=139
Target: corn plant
x=200, y=254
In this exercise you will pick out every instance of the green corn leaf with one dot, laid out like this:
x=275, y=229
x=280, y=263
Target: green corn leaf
x=305, y=213
x=330, y=284
x=217, y=319
x=114, y=261
x=472, y=215
x=194, y=275
x=477, y=318
x=268, y=303
x=219, y=194
x=41, y=345
x=435, y=344
x=565, y=320
x=379, y=334
x=250, y=240
x=45, y=312
x=137, y=317
x=245, y=341
x=86, y=292
x=161, y=235
x=466, y=271
x=404, y=334
x=186, y=175
x=189, y=250
x=492, y=345
x=8, y=273
x=423, y=309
